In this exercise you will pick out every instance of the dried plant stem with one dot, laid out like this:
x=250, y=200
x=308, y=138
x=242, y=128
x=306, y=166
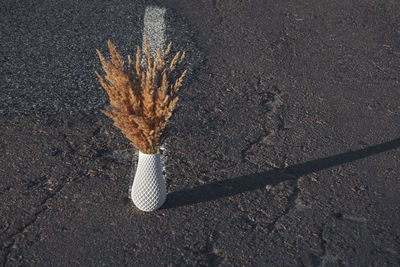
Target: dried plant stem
x=142, y=98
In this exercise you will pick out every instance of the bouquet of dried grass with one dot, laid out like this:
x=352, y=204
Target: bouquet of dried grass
x=142, y=97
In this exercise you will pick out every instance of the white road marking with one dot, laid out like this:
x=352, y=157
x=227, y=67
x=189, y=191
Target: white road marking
x=154, y=29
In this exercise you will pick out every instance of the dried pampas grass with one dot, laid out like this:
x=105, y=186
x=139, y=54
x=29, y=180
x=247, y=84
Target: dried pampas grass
x=142, y=98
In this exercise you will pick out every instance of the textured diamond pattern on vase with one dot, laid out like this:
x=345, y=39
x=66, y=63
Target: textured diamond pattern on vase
x=148, y=189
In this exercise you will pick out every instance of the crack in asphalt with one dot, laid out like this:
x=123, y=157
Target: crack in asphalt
x=273, y=106
x=19, y=231
x=5, y=189
x=323, y=243
x=42, y=208
x=206, y=249
x=248, y=147
x=292, y=204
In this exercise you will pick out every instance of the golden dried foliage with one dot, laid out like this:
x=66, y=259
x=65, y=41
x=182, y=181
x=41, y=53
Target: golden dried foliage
x=142, y=96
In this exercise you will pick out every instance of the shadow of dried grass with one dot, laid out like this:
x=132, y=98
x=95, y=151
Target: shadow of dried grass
x=226, y=188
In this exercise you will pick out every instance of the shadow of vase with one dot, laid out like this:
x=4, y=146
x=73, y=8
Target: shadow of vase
x=231, y=187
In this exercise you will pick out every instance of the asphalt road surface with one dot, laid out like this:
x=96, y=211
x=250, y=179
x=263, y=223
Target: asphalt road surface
x=284, y=149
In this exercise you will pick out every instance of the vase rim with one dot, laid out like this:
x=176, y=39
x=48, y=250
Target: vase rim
x=148, y=153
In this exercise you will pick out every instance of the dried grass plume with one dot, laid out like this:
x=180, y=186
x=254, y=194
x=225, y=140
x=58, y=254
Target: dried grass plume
x=142, y=96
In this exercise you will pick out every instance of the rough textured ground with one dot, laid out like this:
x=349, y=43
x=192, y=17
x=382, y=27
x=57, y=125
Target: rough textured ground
x=285, y=152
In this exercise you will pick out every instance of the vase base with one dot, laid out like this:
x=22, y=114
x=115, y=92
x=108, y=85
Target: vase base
x=146, y=206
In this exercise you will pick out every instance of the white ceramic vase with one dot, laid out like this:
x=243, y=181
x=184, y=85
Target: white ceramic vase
x=148, y=190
